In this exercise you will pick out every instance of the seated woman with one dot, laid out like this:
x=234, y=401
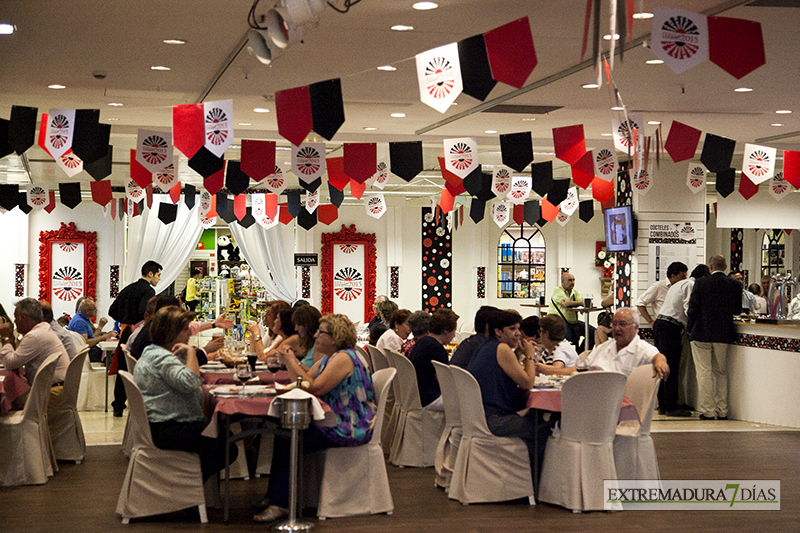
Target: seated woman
x=431, y=348
x=398, y=331
x=560, y=357
x=305, y=320
x=419, y=322
x=340, y=379
x=284, y=328
x=169, y=378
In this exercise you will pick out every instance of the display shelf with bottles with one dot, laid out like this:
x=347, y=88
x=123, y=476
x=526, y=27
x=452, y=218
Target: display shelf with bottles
x=521, y=263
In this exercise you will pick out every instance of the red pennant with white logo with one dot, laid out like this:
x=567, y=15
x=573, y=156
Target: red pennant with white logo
x=758, y=163
x=60, y=131
x=218, y=117
x=308, y=161
x=154, y=150
x=439, y=77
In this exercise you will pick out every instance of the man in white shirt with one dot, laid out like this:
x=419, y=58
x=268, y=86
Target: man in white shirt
x=670, y=336
x=655, y=293
x=626, y=350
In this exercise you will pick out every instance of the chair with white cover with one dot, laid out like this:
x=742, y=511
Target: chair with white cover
x=581, y=455
x=130, y=360
x=25, y=449
x=488, y=468
x=447, y=451
x=365, y=359
x=92, y=391
x=379, y=360
x=418, y=430
x=157, y=481
x=66, y=431
x=353, y=480
x=634, y=452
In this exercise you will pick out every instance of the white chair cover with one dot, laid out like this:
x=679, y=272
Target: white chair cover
x=634, y=452
x=157, y=481
x=25, y=457
x=581, y=456
x=365, y=359
x=488, y=468
x=66, y=430
x=354, y=480
x=417, y=433
x=92, y=391
x=378, y=361
x=131, y=364
x=447, y=451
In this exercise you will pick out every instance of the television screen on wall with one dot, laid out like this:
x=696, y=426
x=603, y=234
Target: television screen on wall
x=620, y=229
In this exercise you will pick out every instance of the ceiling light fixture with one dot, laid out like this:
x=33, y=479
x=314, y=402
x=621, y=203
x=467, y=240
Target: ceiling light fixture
x=245, y=124
x=606, y=134
x=398, y=115
x=607, y=37
x=776, y=125
x=387, y=68
x=425, y=6
x=654, y=122
x=528, y=119
x=783, y=111
x=743, y=90
x=642, y=15
x=654, y=62
x=112, y=119
x=159, y=67
x=370, y=128
x=490, y=131
x=618, y=108
x=6, y=29
x=56, y=86
x=402, y=27
x=174, y=41
x=590, y=86
x=283, y=25
x=115, y=104
x=260, y=110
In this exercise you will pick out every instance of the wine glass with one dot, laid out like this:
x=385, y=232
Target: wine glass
x=243, y=374
x=273, y=365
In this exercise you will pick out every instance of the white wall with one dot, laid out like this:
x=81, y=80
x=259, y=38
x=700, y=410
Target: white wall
x=14, y=228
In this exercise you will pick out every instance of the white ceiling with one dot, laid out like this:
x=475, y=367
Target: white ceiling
x=64, y=41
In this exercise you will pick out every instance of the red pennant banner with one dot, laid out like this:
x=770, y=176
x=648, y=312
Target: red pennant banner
x=512, y=56
x=215, y=181
x=327, y=214
x=139, y=174
x=149, y=195
x=101, y=192
x=735, y=45
x=175, y=192
x=453, y=182
x=360, y=161
x=271, y=205
x=682, y=141
x=336, y=175
x=293, y=109
x=188, y=128
x=285, y=216
x=791, y=167
x=446, y=201
x=357, y=189
x=43, y=134
x=258, y=158
x=52, y=205
x=240, y=206
x=746, y=187
x=212, y=211
x=518, y=213
x=602, y=190
x=549, y=211
x=569, y=143
x=583, y=171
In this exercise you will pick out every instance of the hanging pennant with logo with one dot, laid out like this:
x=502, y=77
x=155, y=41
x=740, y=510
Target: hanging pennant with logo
x=154, y=150
x=37, y=196
x=166, y=178
x=349, y=279
x=696, y=177
x=70, y=163
x=276, y=182
x=679, y=38
x=133, y=192
x=501, y=213
x=624, y=133
x=60, y=132
x=308, y=161
x=642, y=181
x=312, y=200
x=381, y=176
x=759, y=162
x=520, y=189
x=219, y=126
x=439, y=77
x=501, y=181
x=562, y=219
x=205, y=201
x=606, y=162
x=461, y=156
x=570, y=205
x=778, y=187
x=375, y=205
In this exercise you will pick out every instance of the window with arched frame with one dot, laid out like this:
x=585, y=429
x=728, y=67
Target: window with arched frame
x=772, y=252
x=520, y=262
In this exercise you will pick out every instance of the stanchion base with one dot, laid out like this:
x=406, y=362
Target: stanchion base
x=288, y=526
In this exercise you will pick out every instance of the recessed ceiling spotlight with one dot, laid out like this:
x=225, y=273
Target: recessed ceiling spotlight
x=528, y=119
x=425, y=6
x=174, y=41
x=606, y=134
x=618, y=108
x=159, y=67
x=490, y=131
x=398, y=115
x=402, y=27
x=654, y=62
x=783, y=111
x=590, y=86
x=56, y=86
x=115, y=104
x=743, y=90
x=642, y=15
x=370, y=128
x=245, y=124
x=112, y=119
x=654, y=122
x=607, y=37
x=261, y=110
x=387, y=68
x=6, y=29
x=776, y=125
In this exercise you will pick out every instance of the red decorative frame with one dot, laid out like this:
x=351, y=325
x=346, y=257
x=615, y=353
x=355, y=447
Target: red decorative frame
x=348, y=235
x=67, y=233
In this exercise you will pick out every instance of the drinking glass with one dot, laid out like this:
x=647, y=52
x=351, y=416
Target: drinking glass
x=273, y=365
x=243, y=374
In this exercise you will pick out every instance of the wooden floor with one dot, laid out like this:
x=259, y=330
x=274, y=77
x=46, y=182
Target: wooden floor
x=83, y=497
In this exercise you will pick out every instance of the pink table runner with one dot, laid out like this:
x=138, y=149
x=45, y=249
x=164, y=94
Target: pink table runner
x=550, y=400
x=13, y=386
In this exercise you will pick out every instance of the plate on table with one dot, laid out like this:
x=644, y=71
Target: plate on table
x=226, y=391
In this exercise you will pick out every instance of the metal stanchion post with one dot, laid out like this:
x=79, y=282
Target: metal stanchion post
x=295, y=415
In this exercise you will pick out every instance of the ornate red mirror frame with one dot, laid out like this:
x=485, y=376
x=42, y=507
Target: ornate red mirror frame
x=348, y=235
x=67, y=234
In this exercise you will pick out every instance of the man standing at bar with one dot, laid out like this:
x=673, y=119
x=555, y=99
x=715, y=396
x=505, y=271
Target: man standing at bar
x=715, y=300
x=656, y=293
x=128, y=309
x=565, y=297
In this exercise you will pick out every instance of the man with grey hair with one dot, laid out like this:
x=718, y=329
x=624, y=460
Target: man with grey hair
x=37, y=344
x=61, y=332
x=626, y=351
x=81, y=323
x=375, y=309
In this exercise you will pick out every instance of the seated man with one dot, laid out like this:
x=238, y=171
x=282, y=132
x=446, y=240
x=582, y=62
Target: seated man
x=470, y=346
x=431, y=348
x=61, y=332
x=559, y=354
x=37, y=344
x=626, y=351
x=564, y=298
x=82, y=323
x=505, y=383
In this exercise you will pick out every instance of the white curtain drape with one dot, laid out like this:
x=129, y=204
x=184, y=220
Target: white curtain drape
x=170, y=245
x=270, y=254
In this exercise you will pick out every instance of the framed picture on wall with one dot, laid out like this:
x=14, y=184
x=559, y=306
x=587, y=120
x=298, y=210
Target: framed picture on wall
x=67, y=267
x=348, y=273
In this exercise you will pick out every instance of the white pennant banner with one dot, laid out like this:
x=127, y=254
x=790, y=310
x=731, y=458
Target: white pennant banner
x=520, y=189
x=642, y=181
x=133, y=192
x=778, y=187
x=205, y=201
x=606, y=162
x=276, y=182
x=759, y=162
x=308, y=161
x=461, y=156
x=154, y=150
x=439, y=77
x=207, y=222
x=60, y=131
x=679, y=38
x=38, y=197
x=562, y=219
x=258, y=204
x=166, y=178
x=501, y=181
x=381, y=176
x=219, y=126
x=312, y=200
x=501, y=213
x=70, y=163
x=570, y=204
x=696, y=177
x=624, y=136
x=375, y=205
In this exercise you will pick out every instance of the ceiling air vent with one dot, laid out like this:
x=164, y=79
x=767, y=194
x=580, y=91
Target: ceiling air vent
x=523, y=109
